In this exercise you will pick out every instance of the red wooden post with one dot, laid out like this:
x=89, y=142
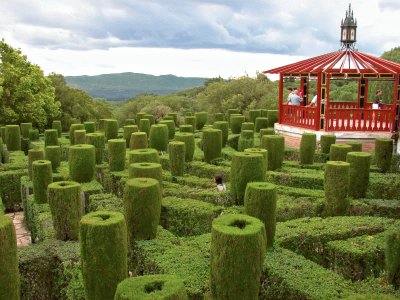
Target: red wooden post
x=280, y=100
x=318, y=108
x=395, y=99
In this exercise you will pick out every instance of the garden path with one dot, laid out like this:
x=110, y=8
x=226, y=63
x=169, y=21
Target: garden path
x=23, y=235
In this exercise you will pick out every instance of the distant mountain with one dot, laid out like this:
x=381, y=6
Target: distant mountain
x=114, y=87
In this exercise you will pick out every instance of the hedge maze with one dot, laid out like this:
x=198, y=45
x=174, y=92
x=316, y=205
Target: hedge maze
x=133, y=212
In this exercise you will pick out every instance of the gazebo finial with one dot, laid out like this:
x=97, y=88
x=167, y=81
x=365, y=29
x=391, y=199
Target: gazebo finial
x=348, y=30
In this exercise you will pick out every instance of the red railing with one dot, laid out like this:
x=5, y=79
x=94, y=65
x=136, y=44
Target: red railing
x=343, y=104
x=299, y=116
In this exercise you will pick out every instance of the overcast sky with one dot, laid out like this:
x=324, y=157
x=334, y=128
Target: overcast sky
x=188, y=37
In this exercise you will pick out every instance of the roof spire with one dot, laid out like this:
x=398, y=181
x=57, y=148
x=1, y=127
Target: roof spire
x=348, y=30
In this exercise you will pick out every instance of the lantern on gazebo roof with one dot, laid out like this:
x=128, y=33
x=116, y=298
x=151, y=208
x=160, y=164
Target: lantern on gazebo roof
x=348, y=31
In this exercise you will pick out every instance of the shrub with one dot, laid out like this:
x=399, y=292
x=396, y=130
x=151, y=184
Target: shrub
x=339, y=152
x=261, y=151
x=144, y=155
x=188, y=139
x=171, y=128
x=246, y=167
x=3, y=133
x=174, y=117
x=212, y=144
x=128, y=130
x=237, y=247
x=130, y=122
x=266, y=131
x=355, y=146
x=150, y=118
x=79, y=136
x=326, y=141
x=53, y=154
x=42, y=176
x=57, y=125
x=98, y=140
x=142, y=205
x=72, y=131
x=25, y=127
x=383, y=153
x=260, y=202
x=201, y=119
x=50, y=137
x=103, y=243
x=145, y=126
x=90, y=127
x=81, y=161
x=359, y=173
x=146, y=170
x=261, y=123
x=158, y=286
x=224, y=127
x=176, y=151
x=140, y=116
x=218, y=117
x=102, y=125
x=254, y=114
x=186, y=128
x=392, y=258
x=13, y=138
x=111, y=129
x=34, y=134
x=159, y=137
x=116, y=154
x=247, y=126
x=236, y=123
x=307, y=148
x=34, y=154
x=336, y=187
x=246, y=140
x=138, y=140
x=272, y=116
x=65, y=202
x=9, y=274
x=275, y=144
x=191, y=120
x=232, y=111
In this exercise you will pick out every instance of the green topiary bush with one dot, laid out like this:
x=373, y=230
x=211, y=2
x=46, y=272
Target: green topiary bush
x=224, y=127
x=138, y=140
x=34, y=154
x=232, y=111
x=104, y=252
x=130, y=122
x=145, y=126
x=307, y=148
x=101, y=125
x=261, y=151
x=171, y=128
x=218, y=117
x=191, y=120
x=140, y=116
x=56, y=124
x=65, y=202
x=174, y=117
x=188, y=139
x=336, y=186
x=261, y=123
x=247, y=126
x=116, y=154
x=176, y=151
x=266, y=131
x=25, y=127
x=326, y=141
x=150, y=118
x=253, y=115
x=128, y=130
x=53, y=154
x=236, y=123
x=13, y=138
x=392, y=257
x=111, y=129
x=260, y=202
x=144, y=155
x=142, y=205
x=50, y=137
x=90, y=127
x=383, y=153
x=355, y=146
x=42, y=176
x=72, y=131
x=186, y=128
x=79, y=136
x=9, y=274
x=359, y=173
x=272, y=116
x=246, y=140
x=81, y=161
x=34, y=134
x=161, y=286
x=245, y=167
x=201, y=119
x=98, y=140
x=3, y=133
x=146, y=170
x=339, y=152
x=159, y=137
x=237, y=254
x=212, y=144
x=275, y=144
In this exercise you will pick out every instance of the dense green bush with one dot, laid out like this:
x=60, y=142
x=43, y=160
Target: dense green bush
x=232, y=111
x=146, y=170
x=186, y=128
x=247, y=126
x=138, y=140
x=275, y=144
x=336, y=188
x=383, y=153
x=111, y=129
x=224, y=127
x=128, y=130
x=145, y=126
x=174, y=117
x=150, y=118
x=98, y=140
x=218, y=117
x=13, y=138
x=246, y=140
x=237, y=254
x=254, y=114
x=72, y=131
x=326, y=141
x=90, y=127
x=359, y=173
x=355, y=146
x=42, y=176
x=56, y=124
x=266, y=131
x=116, y=154
x=104, y=252
x=53, y=154
x=339, y=152
x=81, y=162
x=307, y=148
x=34, y=134
x=272, y=116
x=261, y=123
x=171, y=128
x=201, y=119
x=188, y=139
x=159, y=137
x=176, y=152
x=130, y=122
x=191, y=120
x=235, y=123
x=65, y=202
x=212, y=144
x=34, y=154
x=261, y=151
x=25, y=127
x=50, y=137
x=140, y=116
x=144, y=155
x=79, y=136
x=392, y=258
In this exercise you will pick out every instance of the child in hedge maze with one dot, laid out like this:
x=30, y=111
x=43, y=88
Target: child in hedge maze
x=220, y=185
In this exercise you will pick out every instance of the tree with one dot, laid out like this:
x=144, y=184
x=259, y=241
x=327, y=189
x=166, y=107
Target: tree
x=26, y=95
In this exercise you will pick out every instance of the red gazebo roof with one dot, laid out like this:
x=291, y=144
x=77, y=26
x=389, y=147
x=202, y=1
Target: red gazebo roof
x=342, y=61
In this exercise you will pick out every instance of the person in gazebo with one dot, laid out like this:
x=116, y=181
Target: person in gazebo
x=295, y=99
x=378, y=100
x=313, y=101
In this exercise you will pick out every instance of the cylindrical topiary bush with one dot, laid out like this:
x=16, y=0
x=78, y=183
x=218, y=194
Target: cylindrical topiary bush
x=247, y=126
x=146, y=170
x=34, y=154
x=260, y=202
x=159, y=137
x=3, y=133
x=232, y=111
x=266, y=131
x=261, y=123
x=50, y=137
x=176, y=151
x=264, y=113
x=13, y=138
x=145, y=126
x=116, y=154
x=151, y=119
x=138, y=141
x=104, y=252
x=79, y=136
x=212, y=144
x=142, y=205
x=236, y=123
x=326, y=141
x=144, y=155
x=90, y=127
x=72, y=131
x=238, y=245
x=383, y=153
x=272, y=116
x=140, y=116
x=56, y=124
x=101, y=125
x=98, y=140
x=160, y=286
x=359, y=173
x=245, y=167
x=307, y=148
x=336, y=187
x=339, y=152
x=246, y=140
x=275, y=144
x=65, y=202
x=218, y=117
x=130, y=122
x=25, y=127
x=128, y=130
x=392, y=257
x=188, y=139
x=9, y=274
x=191, y=120
x=53, y=154
x=34, y=134
x=186, y=128
x=42, y=176
x=261, y=151
x=224, y=127
x=111, y=129
x=174, y=117
x=201, y=119
x=254, y=114
x=171, y=128
x=355, y=146
x=81, y=161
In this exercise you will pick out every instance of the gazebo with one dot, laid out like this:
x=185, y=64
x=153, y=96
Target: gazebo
x=347, y=120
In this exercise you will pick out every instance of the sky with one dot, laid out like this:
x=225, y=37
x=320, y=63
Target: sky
x=197, y=38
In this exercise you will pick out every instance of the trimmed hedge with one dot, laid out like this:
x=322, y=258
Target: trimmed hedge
x=145, y=126
x=138, y=140
x=307, y=148
x=171, y=128
x=191, y=120
x=25, y=127
x=275, y=145
x=42, y=176
x=336, y=187
x=326, y=141
x=247, y=126
x=212, y=144
x=235, y=123
x=34, y=134
x=254, y=114
x=176, y=152
x=339, y=152
x=174, y=117
x=34, y=154
x=90, y=127
x=79, y=137
x=57, y=125
x=266, y=131
x=116, y=154
x=224, y=127
x=13, y=138
x=140, y=116
x=128, y=130
x=218, y=117
x=146, y=170
x=111, y=129
x=144, y=155
x=150, y=118
x=72, y=129
x=81, y=162
x=232, y=111
x=186, y=128
x=383, y=153
x=392, y=258
x=355, y=146
x=360, y=163
x=188, y=139
x=130, y=122
x=50, y=137
x=261, y=123
x=261, y=151
x=201, y=119
x=98, y=140
x=159, y=137
x=246, y=140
